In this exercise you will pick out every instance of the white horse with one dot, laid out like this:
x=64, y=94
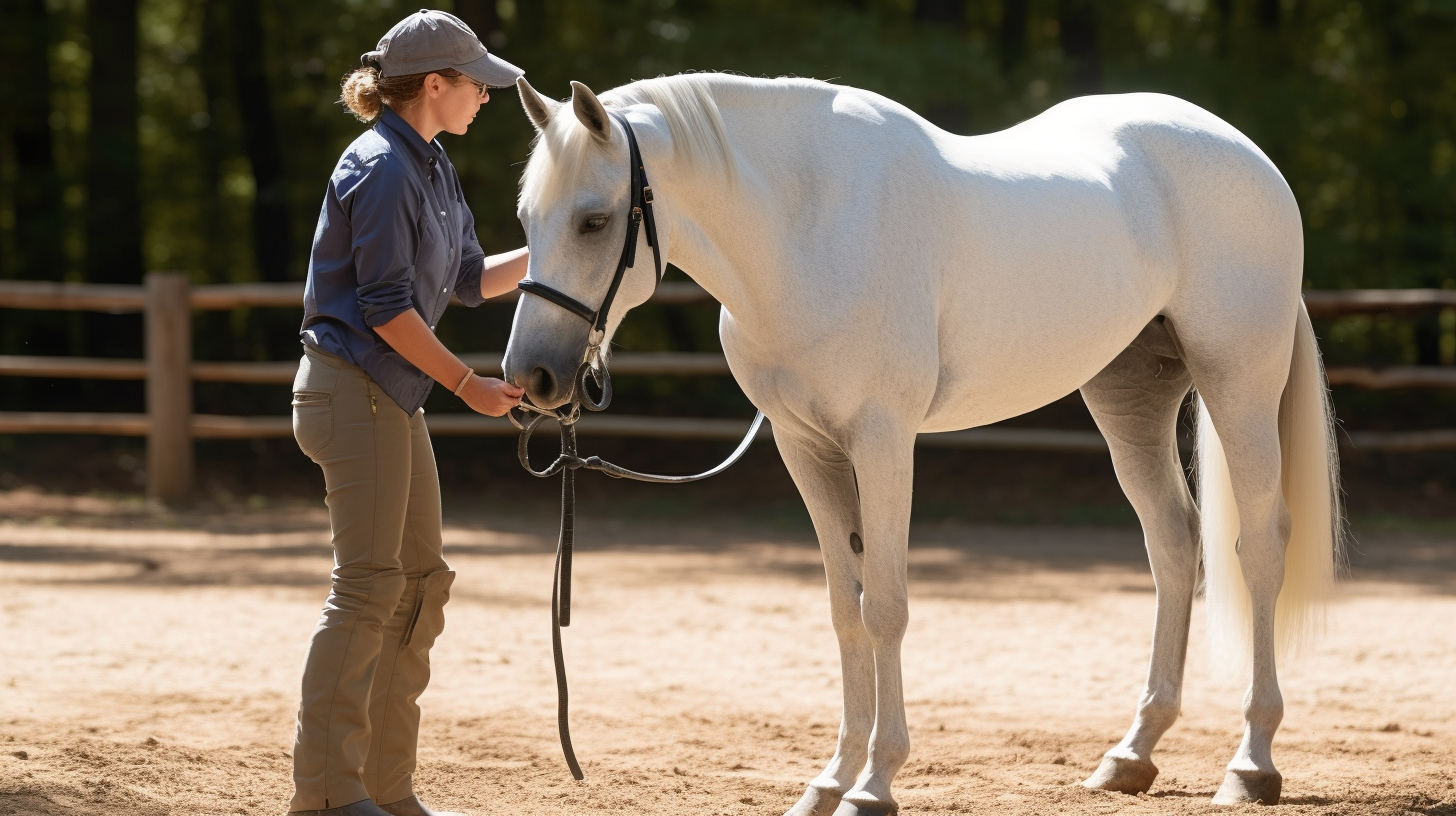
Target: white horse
x=881, y=278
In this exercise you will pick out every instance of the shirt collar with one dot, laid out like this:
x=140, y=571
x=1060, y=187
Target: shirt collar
x=404, y=132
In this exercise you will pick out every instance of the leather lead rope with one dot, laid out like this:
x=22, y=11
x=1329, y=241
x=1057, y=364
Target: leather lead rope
x=561, y=595
x=567, y=463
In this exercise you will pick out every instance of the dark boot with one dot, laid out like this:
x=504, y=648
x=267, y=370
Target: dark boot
x=364, y=807
x=412, y=806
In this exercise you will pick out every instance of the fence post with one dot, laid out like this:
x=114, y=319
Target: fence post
x=168, y=316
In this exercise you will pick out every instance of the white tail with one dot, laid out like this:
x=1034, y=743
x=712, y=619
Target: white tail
x=1309, y=478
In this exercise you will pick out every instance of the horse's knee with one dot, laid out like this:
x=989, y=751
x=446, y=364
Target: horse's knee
x=885, y=619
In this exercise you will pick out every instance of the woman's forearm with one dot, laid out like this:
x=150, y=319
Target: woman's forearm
x=407, y=334
x=502, y=272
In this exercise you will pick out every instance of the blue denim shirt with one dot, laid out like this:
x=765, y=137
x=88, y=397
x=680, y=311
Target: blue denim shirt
x=394, y=234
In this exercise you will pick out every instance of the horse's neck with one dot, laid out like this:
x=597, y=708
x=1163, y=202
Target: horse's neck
x=729, y=237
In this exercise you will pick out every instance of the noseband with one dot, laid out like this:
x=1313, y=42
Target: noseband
x=594, y=365
x=639, y=212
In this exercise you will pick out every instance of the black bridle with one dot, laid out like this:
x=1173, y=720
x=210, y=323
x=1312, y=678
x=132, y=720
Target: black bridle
x=594, y=366
x=639, y=212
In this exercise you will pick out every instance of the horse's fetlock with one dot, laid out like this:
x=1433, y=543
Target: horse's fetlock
x=1159, y=711
x=890, y=754
x=1264, y=711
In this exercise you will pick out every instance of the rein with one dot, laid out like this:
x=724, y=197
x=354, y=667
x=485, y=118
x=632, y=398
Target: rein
x=593, y=367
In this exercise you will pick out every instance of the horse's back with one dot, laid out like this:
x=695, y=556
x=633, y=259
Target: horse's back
x=1078, y=226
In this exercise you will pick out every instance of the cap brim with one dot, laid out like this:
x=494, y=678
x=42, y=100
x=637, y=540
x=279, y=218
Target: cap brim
x=491, y=70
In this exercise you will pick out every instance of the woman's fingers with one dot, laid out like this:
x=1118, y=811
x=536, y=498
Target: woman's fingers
x=488, y=395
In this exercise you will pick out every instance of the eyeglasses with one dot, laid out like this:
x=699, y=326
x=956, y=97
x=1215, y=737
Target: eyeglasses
x=480, y=87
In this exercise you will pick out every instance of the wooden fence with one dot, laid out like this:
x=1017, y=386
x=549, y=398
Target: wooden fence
x=167, y=301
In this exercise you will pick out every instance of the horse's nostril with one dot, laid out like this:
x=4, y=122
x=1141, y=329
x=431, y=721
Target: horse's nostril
x=542, y=383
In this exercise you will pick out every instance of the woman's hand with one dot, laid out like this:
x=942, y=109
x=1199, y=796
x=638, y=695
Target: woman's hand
x=490, y=396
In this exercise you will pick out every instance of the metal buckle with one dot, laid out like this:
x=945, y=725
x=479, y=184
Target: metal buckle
x=646, y=195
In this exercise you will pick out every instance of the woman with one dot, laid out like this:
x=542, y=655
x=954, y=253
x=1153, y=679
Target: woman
x=394, y=242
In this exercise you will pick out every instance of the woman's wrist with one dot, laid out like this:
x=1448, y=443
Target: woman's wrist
x=465, y=380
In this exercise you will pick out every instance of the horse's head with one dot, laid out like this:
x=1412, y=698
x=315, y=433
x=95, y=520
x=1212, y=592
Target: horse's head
x=574, y=205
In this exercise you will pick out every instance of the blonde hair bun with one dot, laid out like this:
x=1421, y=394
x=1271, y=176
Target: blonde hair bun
x=361, y=93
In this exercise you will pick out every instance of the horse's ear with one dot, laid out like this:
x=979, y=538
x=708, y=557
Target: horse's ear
x=590, y=111
x=538, y=108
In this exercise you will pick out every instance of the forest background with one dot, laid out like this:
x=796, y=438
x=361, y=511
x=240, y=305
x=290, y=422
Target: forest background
x=198, y=135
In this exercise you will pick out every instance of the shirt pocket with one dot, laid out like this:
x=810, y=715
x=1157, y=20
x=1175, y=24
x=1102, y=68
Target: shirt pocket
x=313, y=421
x=431, y=260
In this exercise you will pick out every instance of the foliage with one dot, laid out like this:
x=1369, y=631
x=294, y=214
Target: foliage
x=1354, y=101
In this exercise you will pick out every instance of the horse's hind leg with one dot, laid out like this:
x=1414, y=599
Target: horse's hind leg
x=1136, y=401
x=1245, y=415
x=826, y=481
x=1240, y=370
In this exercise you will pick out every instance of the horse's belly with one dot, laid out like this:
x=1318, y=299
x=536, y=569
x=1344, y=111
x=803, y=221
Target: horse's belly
x=987, y=376
x=992, y=397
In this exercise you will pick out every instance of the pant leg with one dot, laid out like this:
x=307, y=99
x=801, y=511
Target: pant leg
x=363, y=443
x=404, y=668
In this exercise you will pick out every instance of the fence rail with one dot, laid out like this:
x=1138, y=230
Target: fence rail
x=166, y=300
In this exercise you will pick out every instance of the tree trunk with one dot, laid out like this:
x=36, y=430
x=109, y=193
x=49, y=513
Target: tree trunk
x=272, y=228
x=1078, y=22
x=482, y=18
x=1267, y=13
x=940, y=11
x=113, y=164
x=1013, y=34
x=40, y=216
x=213, y=64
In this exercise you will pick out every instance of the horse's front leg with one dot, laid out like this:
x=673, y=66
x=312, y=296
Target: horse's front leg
x=884, y=467
x=826, y=481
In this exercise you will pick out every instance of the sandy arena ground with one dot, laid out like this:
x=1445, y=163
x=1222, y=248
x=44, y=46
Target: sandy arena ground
x=150, y=662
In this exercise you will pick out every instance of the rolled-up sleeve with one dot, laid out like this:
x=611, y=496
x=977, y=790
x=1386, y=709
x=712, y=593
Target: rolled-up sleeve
x=384, y=216
x=472, y=257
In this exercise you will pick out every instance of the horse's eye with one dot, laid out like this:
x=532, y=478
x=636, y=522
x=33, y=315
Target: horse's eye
x=593, y=223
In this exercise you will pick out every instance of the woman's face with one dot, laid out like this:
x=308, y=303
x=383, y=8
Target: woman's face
x=448, y=104
x=459, y=102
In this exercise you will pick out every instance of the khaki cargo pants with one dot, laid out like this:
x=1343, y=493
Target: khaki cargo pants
x=369, y=659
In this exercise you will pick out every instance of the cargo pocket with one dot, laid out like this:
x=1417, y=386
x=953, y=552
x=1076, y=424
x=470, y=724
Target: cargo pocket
x=428, y=620
x=313, y=421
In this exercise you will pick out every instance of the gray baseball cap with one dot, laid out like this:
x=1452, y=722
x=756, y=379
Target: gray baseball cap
x=431, y=40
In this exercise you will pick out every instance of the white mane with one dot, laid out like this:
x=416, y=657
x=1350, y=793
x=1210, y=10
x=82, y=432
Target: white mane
x=687, y=104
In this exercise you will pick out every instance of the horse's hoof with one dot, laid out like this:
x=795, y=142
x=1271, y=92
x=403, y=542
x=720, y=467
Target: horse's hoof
x=816, y=802
x=847, y=808
x=1123, y=775
x=1249, y=787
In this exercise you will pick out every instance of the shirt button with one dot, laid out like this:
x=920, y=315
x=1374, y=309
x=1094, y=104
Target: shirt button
x=442, y=213
x=446, y=289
